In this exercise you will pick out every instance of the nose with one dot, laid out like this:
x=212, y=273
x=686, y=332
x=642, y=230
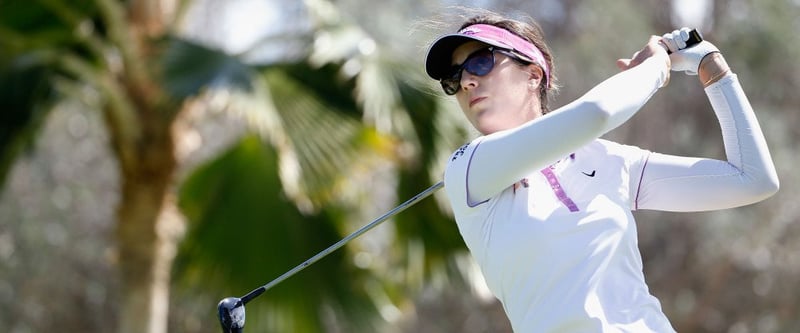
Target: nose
x=468, y=80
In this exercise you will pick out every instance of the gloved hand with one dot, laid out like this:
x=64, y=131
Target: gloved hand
x=686, y=59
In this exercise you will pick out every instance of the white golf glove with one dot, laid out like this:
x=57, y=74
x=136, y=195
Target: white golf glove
x=686, y=59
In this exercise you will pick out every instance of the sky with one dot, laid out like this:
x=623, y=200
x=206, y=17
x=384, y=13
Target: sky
x=242, y=26
x=691, y=13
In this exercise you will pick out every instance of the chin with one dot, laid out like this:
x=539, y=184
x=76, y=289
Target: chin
x=486, y=124
x=488, y=129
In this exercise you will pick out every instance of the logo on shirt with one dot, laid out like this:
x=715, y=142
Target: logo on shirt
x=589, y=174
x=459, y=152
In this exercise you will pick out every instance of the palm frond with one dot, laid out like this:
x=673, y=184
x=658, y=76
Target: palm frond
x=244, y=232
x=327, y=141
x=189, y=67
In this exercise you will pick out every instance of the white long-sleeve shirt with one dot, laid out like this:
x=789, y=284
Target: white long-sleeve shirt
x=545, y=208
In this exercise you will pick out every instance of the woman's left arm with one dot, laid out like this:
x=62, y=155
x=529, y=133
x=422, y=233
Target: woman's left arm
x=673, y=183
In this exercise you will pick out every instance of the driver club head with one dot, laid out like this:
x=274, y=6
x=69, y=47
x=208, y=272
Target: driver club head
x=231, y=315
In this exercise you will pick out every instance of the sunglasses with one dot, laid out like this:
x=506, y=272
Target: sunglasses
x=478, y=63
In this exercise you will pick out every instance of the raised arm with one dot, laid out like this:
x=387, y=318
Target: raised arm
x=503, y=158
x=694, y=184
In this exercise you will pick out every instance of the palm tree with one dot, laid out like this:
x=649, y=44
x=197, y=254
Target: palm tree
x=325, y=119
x=112, y=48
x=335, y=126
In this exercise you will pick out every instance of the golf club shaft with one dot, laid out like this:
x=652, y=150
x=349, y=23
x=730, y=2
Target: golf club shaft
x=410, y=202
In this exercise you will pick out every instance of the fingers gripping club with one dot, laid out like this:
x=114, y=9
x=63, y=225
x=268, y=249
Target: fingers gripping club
x=687, y=50
x=694, y=38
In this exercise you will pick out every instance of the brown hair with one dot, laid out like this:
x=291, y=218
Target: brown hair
x=530, y=31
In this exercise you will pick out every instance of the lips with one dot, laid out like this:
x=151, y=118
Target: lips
x=475, y=100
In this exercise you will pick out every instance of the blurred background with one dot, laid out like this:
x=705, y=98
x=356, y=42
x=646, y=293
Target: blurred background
x=157, y=156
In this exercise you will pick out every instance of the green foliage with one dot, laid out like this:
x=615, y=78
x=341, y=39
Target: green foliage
x=32, y=35
x=244, y=232
x=25, y=97
x=322, y=131
x=427, y=223
x=44, y=23
x=189, y=67
x=326, y=82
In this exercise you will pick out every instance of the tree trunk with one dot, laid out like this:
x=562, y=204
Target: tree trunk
x=148, y=230
x=149, y=224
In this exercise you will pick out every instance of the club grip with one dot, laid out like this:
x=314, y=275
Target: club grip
x=694, y=38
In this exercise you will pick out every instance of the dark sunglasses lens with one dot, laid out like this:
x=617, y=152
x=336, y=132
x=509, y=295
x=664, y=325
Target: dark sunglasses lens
x=451, y=84
x=481, y=63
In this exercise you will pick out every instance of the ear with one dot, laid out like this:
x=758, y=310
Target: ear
x=535, y=75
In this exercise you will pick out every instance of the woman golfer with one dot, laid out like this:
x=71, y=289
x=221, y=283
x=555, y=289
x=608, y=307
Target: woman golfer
x=544, y=205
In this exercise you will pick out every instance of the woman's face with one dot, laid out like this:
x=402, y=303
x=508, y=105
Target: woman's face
x=505, y=98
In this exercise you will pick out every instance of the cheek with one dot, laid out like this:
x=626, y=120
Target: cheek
x=518, y=90
x=463, y=104
x=510, y=94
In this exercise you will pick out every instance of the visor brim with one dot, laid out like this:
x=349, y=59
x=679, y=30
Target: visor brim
x=440, y=55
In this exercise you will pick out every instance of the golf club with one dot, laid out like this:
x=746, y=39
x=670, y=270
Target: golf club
x=231, y=310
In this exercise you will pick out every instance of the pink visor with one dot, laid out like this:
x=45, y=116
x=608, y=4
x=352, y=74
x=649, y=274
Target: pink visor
x=439, y=59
